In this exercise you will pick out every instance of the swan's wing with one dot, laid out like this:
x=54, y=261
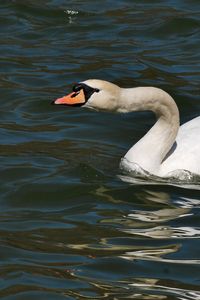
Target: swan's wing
x=186, y=152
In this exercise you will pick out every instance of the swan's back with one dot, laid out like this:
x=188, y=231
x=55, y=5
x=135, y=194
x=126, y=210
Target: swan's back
x=185, y=154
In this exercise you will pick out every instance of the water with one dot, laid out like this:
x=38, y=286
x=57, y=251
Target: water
x=70, y=228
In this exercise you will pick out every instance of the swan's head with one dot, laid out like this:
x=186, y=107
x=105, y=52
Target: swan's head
x=93, y=93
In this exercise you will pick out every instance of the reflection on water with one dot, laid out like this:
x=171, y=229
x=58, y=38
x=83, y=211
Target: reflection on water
x=153, y=287
x=147, y=243
x=70, y=228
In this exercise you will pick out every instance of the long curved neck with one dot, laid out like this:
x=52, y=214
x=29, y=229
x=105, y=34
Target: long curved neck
x=151, y=150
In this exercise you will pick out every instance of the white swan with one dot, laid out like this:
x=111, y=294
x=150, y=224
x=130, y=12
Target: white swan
x=166, y=148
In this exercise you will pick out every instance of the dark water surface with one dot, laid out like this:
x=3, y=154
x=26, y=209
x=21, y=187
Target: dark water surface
x=69, y=227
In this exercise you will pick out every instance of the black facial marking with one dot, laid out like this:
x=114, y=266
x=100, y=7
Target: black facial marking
x=88, y=90
x=77, y=87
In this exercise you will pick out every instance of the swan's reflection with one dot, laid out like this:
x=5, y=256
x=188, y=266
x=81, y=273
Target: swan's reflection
x=153, y=287
x=193, y=183
x=150, y=239
x=164, y=232
x=161, y=215
x=155, y=223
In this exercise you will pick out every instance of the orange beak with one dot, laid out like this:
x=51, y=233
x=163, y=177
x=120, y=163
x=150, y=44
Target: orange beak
x=74, y=99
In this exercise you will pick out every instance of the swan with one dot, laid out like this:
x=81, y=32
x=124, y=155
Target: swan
x=167, y=147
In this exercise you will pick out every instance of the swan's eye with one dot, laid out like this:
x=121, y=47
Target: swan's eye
x=77, y=88
x=86, y=89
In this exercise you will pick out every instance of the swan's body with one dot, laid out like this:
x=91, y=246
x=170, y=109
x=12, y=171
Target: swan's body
x=166, y=147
